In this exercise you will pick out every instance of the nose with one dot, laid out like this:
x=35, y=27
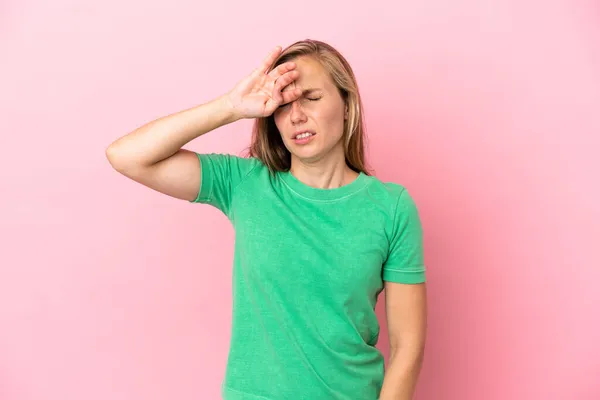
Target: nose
x=297, y=115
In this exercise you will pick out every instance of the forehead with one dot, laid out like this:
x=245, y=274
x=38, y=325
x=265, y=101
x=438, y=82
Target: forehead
x=311, y=74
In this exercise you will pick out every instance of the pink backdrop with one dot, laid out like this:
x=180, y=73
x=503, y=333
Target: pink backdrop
x=488, y=111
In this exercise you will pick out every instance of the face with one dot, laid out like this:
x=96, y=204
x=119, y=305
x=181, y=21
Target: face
x=320, y=110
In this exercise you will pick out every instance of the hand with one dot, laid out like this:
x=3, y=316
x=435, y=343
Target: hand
x=260, y=94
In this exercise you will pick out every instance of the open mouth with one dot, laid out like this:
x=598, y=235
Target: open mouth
x=304, y=137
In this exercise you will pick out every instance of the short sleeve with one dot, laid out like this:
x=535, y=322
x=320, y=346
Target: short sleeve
x=405, y=263
x=221, y=174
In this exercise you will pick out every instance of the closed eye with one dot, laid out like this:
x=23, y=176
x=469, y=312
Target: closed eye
x=307, y=98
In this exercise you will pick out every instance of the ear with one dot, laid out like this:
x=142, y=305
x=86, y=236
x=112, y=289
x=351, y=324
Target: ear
x=346, y=112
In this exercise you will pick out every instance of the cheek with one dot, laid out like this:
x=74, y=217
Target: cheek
x=332, y=118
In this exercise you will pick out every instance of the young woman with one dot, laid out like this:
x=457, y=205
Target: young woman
x=317, y=237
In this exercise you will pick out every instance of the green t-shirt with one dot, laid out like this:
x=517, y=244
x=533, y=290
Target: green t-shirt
x=308, y=267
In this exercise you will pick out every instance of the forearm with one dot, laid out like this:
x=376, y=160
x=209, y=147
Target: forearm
x=402, y=374
x=163, y=137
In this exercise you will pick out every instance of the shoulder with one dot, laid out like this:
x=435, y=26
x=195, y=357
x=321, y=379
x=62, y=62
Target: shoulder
x=227, y=158
x=387, y=191
x=234, y=164
x=392, y=196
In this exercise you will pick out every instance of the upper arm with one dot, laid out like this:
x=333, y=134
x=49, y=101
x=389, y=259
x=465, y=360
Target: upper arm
x=404, y=277
x=406, y=313
x=178, y=176
x=405, y=259
x=221, y=175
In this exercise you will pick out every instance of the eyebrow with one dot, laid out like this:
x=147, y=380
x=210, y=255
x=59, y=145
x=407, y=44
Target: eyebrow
x=309, y=90
x=305, y=91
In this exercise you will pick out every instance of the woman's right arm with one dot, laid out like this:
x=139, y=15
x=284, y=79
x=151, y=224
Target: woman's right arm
x=153, y=156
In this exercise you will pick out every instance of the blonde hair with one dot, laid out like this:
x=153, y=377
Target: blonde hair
x=267, y=145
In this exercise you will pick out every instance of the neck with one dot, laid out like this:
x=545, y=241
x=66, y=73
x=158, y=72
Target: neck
x=323, y=174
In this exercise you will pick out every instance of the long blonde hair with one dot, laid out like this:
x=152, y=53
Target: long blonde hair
x=266, y=143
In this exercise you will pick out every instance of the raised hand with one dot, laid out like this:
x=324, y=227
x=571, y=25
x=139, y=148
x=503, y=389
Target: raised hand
x=260, y=93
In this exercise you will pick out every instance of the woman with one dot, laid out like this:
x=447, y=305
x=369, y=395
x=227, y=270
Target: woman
x=317, y=237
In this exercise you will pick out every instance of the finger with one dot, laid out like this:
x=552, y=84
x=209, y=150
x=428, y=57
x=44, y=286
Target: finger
x=285, y=80
x=290, y=95
x=282, y=69
x=264, y=67
x=281, y=82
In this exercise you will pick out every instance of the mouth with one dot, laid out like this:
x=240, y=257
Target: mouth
x=300, y=135
x=303, y=137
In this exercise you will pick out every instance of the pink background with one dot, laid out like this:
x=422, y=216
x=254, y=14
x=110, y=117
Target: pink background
x=488, y=111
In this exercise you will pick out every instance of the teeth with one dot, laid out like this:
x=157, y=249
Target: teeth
x=304, y=135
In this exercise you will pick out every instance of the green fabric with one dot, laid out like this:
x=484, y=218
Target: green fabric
x=308, y=267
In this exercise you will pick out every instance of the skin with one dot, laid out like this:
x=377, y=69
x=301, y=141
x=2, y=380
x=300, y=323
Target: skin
x=320, y=163
x=406, y=311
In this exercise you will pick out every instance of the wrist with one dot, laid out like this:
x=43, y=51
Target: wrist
x=231, y=113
